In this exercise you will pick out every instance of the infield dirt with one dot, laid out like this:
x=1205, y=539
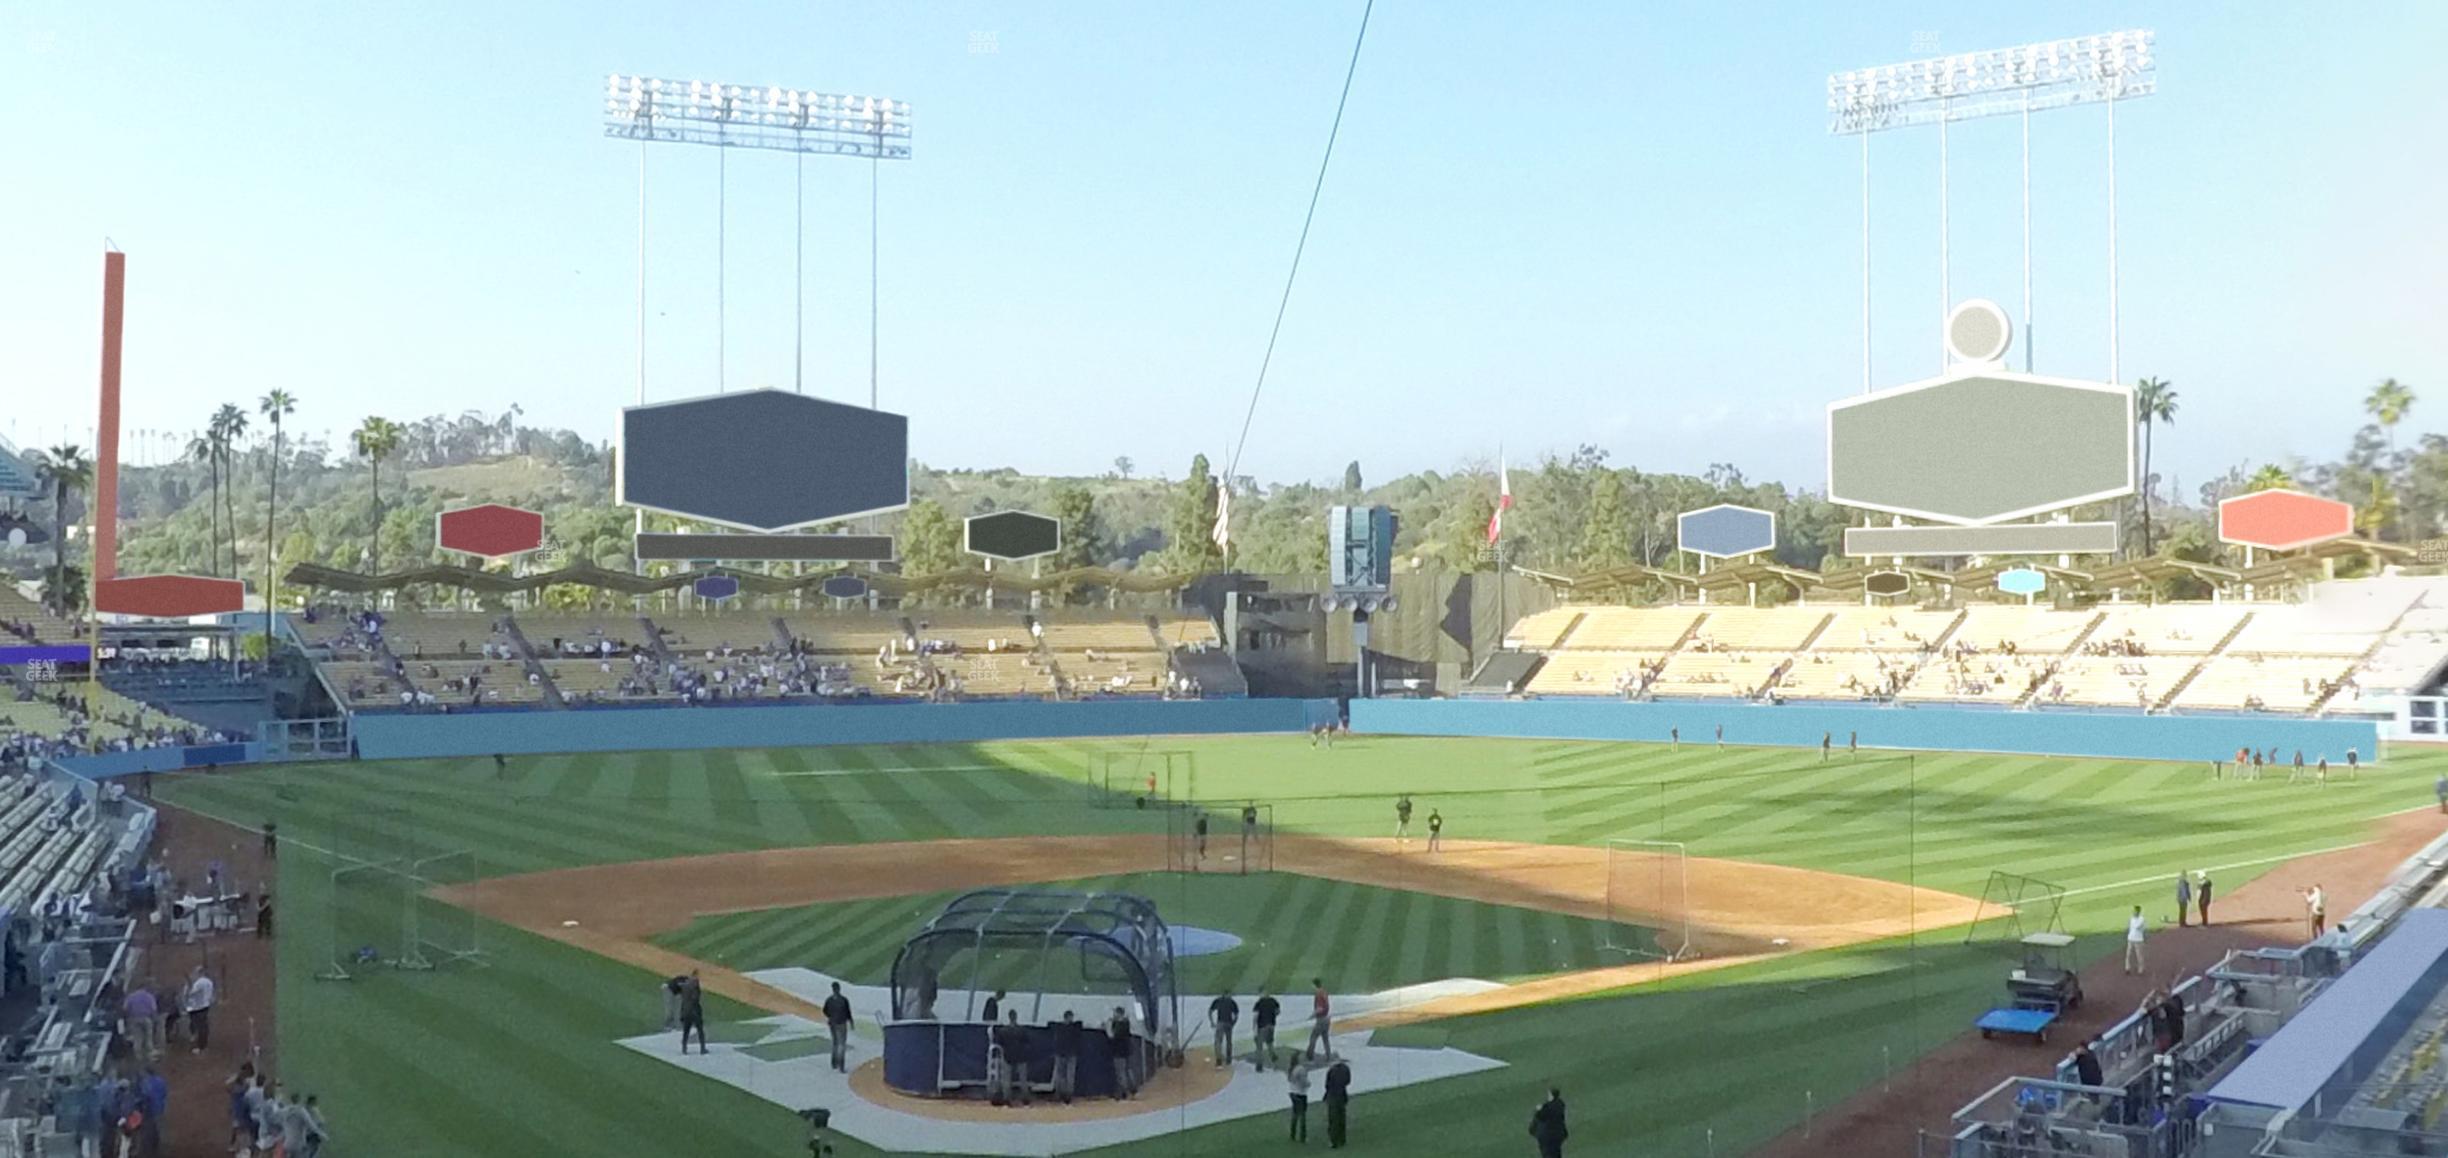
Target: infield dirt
x=1738, y=911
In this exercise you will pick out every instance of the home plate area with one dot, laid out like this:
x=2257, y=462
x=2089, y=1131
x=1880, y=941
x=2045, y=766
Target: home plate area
x=786, y=1060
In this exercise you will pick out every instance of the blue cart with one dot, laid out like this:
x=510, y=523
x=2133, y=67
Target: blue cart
x=2039, y=990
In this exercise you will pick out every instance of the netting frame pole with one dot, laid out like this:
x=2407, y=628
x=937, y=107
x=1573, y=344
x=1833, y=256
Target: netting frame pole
x=424, y=882
x=1617, y=911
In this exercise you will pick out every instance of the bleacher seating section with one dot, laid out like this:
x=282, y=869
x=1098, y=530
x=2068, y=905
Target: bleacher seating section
x=2408, y=655
x=47, y=628
x=2232, y=657
x=2266, y=682
x=1543, y=631
x=1589, y=673
x=981, y=653
x=1631, y=629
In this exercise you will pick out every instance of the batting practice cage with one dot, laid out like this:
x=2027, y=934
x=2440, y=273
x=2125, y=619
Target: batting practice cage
x=1049, y=953
x=1225, y=839
x=1648, y=899
x=1144, y=777
x=379, y=905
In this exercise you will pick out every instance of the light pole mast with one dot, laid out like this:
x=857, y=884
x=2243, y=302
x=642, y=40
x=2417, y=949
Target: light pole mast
x=2107, y=68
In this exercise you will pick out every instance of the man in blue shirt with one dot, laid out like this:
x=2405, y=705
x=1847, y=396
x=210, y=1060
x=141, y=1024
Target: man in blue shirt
x=837, y=1023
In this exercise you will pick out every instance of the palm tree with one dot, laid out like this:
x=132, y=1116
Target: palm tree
x=276, y=405
x=67, y=469
x=2154, y=403
x=375, y=439
x=2270, y=477
x=206, y=449
x=229, y=424
x=2387, y=404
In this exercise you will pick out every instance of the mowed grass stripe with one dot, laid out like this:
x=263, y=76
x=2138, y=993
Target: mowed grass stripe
x=1370, y=928
x=475, y=822
x=734, y=805
x=1734, y=1048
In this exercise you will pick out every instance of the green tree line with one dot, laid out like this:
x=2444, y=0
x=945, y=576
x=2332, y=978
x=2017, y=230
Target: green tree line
x=249, y=500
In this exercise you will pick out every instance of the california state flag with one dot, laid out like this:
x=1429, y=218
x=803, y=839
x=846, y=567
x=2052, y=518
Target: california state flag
x=1504, y=501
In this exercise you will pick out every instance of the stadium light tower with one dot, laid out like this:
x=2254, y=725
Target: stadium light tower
x=2022, y=80
x=731, y=116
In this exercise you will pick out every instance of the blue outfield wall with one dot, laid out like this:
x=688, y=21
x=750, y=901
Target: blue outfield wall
x=2045, y=733
x=160, y=760
x=396, y=737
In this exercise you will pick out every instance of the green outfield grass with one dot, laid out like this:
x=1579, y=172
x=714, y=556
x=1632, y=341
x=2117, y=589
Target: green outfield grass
x=518, y=1059
x=1357, y=938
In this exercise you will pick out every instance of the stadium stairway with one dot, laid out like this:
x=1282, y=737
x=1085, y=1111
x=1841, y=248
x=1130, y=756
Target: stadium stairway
x=2320, y=703
x=655, y=642
x=1938, y=645
x=1505, y=673
x=783, y=643
x=2075, y=648
x=527, y=659
x=1808, y=642
x=392, y=666
x=2216, y=650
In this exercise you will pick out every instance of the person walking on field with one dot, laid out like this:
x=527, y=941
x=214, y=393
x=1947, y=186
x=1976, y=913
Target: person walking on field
x=1222, y=1013
x=1402, y=817
x=2133, y=943
x=2439, y=788
x=1852, y=743
x=1321, y=1017
x=1826, y=741
x=837, y=1024
x=2202, y=894
x=1201, y=829
x=1436, y=830
x=1721, y=737
x=692, y=1013
x=1338, y=1103
x=1296, y=1077
x=2184, y=899
x=2317, y=904
x=1263, y=1012
x=1547, y=1125
x=1674, y=739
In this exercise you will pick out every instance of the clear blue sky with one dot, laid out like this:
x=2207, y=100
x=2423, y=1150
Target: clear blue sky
x=1546, y=224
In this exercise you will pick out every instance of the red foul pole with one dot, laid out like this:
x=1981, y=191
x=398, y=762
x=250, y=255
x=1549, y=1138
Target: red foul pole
x=106, y=431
